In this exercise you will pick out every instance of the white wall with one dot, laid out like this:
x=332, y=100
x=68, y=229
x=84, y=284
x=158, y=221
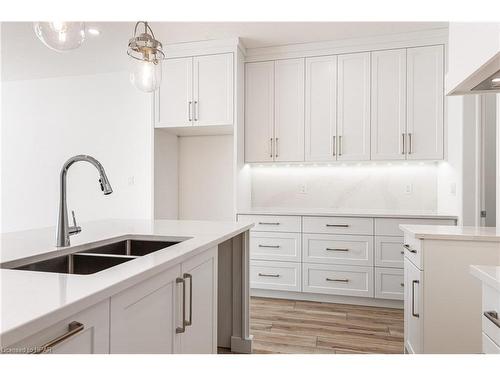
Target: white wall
x=365, y=186
x=206, y=178
x=46, y=121
x=166, y=175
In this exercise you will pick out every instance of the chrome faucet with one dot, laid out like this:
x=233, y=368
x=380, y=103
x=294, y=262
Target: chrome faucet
x=63, y=228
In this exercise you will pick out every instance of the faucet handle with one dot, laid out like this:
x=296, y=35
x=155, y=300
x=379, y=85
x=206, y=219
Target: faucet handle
x=74, y=219
x=75, y=228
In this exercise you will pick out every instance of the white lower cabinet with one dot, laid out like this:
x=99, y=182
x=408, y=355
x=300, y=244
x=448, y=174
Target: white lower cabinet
x=173, y=312
x=413, y=308
x=84, y=333
x=275, y=275
x=275, y=246
x=389, y=251
x=339, y=280
x=389, y=283
x=338, y=249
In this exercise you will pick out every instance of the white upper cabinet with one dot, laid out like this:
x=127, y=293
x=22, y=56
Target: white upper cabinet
x=425, y=102
x=213, y=90
x=196, y=91
x=353, y=125
x=259, y=112
x=289, y=110
x=388, y=105
x=321, y=108
x=175, y=95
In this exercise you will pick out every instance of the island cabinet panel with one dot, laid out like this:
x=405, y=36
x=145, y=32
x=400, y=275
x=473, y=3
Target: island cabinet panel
x=84, y=333
x=143, y=317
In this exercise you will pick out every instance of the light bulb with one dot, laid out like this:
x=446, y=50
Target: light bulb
x=146, y=76
x=60, y=36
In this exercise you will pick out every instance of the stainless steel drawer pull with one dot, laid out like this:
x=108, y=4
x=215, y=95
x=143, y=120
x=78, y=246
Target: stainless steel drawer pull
x=338, y=225
x=340, y=145
x=73, y=329
x=407, y=247
x=196, y=111
x=404, y=136
x=182, y=329
x=492, y=317
x=410, y=141
x=402, y=284
x=413, y=313
x=276, y=147
x=269, y=274
x=402, y=252
x=190, y=277
x=338, y=280
x=271, y=148
x=271, y=246
x=267, y=223
x=190, y=111
x=334, y=249
x=334, y=145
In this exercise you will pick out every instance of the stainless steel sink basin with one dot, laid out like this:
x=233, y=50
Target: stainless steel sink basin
x=79, y=264
x=131, y=247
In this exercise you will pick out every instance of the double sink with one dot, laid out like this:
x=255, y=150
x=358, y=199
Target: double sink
x=98, y=258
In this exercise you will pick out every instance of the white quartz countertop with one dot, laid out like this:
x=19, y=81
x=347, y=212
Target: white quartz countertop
x=349, y=213
x=444, y=232
x=487, y=274
x=33, y=300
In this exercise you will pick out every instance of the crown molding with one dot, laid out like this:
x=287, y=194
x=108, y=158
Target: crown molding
x=203, y=47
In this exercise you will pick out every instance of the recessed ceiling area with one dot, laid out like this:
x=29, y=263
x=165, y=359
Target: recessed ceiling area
x=25, y=57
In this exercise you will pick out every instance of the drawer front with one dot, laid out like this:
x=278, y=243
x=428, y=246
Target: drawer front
x=275, y=246
x=338, y=225
x=389, y=283
x=339, y=280
x=273, y=223
x=489, y=347
x=275, y=275
x=338, y=249
x=389, y=251
x=413, y=250
x=491, y=313
x=390, y=227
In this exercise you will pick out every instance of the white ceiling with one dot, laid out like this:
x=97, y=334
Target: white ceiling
x=24, y=57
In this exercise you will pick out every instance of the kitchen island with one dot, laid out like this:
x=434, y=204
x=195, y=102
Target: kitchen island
x=37, y=307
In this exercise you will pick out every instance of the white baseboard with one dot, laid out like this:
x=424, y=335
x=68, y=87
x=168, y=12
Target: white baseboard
x=299, y=296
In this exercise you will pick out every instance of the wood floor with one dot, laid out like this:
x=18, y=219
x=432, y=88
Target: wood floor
x=298, y=327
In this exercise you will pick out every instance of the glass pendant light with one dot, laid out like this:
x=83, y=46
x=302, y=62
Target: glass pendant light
x=60, y=36
x=147, y=53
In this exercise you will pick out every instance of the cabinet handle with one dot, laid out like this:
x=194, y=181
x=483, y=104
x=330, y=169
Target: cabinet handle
x=403, y=137
x=492, y=317
x=338, y=225
x=271, y=246
x=276, y=146
x=413, y=313
x=267, y=223
x=190, y=277
x=334, y=145
x=269, y=274
x=340, y=145
x=402, y=284
x=271, y=148
x=190, y=111
x=407, y=247
x=182, y=329
x=73, y=329
x=410, y=145
x=334, y=249
x=196, y=111
x=338, y=280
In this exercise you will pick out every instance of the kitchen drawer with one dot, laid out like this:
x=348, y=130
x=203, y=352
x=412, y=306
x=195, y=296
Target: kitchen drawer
x=389, y=283
x=414, y=250
x=338, y=249
x=275, y=275
x=389, y=251
x=489, y=347
x=273, y=223
x=338, y=280
x=491, y=306
x=338, y=225
x=275, y=246
x=390, y=227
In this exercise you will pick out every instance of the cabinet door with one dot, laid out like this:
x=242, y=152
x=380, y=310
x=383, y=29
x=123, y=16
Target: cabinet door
x=388, y=104
x=143, y=317
x=174, y=98
x=200, y=275
x=213, y=90
x=259, y=111
x=413, y=306
x=321, y=108
x=289, y=110
x=86, y=332
x=425, y=98
x=353, y=124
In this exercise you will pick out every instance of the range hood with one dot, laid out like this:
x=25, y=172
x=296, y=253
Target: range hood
x=473, y=58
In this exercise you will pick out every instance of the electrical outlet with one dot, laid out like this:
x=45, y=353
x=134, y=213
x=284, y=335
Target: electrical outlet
x=453, y=189
x=408, y=189
x=131, y=181
x=302, y=189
